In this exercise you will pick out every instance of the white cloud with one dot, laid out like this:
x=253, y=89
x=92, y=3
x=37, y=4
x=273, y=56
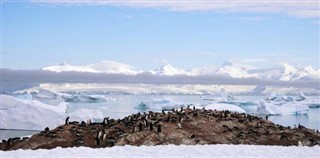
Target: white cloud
x=297, y=8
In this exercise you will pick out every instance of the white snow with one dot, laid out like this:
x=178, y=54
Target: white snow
x=105, y=66
x=173, y=151
x=169, y=71
x=282, y=72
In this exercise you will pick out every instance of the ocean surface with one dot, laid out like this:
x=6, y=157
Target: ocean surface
x=119, y=106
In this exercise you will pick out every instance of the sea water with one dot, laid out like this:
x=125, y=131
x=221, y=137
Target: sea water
x=120, y=106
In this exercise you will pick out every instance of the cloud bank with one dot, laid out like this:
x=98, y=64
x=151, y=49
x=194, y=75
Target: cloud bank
x=297, y=8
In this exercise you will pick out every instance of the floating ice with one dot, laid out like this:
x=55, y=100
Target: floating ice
x=29, y=115
x=221, y=96
x=142, y=106
x=87, y=99
x=222, y=106
x=284, y=109
x=35, y=115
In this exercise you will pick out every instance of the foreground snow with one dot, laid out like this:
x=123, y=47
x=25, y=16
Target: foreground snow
x=173, y=151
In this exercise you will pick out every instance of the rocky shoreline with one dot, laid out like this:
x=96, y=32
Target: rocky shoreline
x=188, y=126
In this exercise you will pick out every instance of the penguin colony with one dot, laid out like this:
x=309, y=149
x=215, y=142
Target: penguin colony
x=179, y=126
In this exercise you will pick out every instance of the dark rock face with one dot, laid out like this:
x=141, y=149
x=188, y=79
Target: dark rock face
x=186, y=126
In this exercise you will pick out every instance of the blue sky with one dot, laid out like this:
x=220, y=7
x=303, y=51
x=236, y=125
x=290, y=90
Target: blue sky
x=36, y=35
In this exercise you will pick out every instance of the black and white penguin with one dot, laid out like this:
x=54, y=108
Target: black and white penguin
x=46, y=129
x=151, y=126
x=267, y=117
x=146, y=123
x=89, y=121
x=133, y=129
x=159, y=128
x=98, y=138
x=106, y=121
x=140, y=126
x=163, y=112
x=67, y=120
x=99, y=134
x=97, y=141
x=104, y=136
x=9, y=142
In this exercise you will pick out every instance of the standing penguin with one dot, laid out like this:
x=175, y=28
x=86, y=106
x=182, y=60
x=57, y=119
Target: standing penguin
x=267, y=117
x=140, y=126
x=151, y=126
x=67, y=120
x=98, y=138
x=159, y=128
x=9, y=142
x=106, y=121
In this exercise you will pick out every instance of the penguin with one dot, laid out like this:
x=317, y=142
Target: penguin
x=267, y=117
x=67, y=120
x=140, y=126
x=194, y=108
x=99, y=134
x=181, y=109
x=46, y=129
x=133, y=129
x=151, y=126
x=163, y=112
x=181, y=119
x=104, y=136
x=300, y=143
x=97, y=141
x=145, y=122
x=79, y=141
x=89, y=121
x=159, y=128
x=106, y=121
x=9, y=142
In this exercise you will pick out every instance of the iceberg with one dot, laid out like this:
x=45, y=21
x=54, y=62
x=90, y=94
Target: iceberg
x=87, y=99
x=289, y=108
x=142, y=106
x=29, y=115
x=220, y=97
x=222, y=106
x=34, y=115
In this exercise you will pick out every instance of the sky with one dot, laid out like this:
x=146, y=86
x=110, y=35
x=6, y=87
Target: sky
x=146, y=35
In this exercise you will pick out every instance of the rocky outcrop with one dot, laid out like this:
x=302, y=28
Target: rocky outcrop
x=183, y=126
